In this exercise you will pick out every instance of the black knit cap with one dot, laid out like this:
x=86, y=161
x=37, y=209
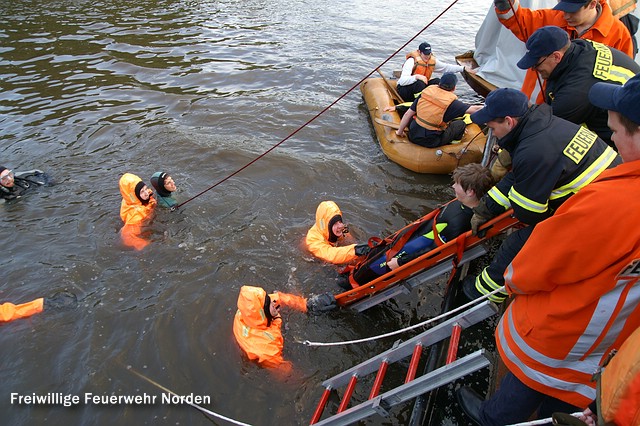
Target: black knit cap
x=2, y=169
x=157, y=181
x=267, y=308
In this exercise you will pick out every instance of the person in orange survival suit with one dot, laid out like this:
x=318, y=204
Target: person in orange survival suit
x=136, y=210
x=257, y=324
x=328, y=231
x=10, y=311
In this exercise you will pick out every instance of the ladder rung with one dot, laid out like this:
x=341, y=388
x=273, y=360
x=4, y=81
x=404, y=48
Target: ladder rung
x=320, y=408
x=454, y=342
x=413, y=365
x=347, y=393
x=375, y=390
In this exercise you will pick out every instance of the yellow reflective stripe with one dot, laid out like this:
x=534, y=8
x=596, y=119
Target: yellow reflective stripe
x=499, y=198
x=269, y=335
x=603, y=68
x=245, y=331
x=489, y=286
x=526, y=203
x=586, y=177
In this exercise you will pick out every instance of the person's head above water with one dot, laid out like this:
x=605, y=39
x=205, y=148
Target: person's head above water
x=163, y=184
x=6, y=177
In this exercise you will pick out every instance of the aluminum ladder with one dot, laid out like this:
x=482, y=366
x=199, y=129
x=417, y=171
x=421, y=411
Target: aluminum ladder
x=412, y=387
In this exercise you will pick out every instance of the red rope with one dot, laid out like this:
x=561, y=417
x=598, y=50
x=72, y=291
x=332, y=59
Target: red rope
x=526, y=36
x=318, y=114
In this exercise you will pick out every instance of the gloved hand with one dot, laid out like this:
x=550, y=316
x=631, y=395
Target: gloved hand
x=362, y=249
x=504, y=158
x=502, y=5
x=481, y=214
x=60, y=300
x=321, y=303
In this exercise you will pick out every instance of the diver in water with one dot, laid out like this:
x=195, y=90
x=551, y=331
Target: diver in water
x=15, y=185
x=164, y=186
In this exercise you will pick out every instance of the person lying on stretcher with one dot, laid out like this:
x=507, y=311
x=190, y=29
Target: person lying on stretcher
x=470, y=183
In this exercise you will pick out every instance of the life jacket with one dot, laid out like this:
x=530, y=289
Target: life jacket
x=10, y=312
x=134, y=214
x=318, y=241
x=421, y=67
x=431, y=107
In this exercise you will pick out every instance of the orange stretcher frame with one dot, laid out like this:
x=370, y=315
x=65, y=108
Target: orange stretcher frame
x=451, y=250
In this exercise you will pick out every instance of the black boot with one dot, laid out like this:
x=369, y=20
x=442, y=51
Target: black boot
x=469, y=287
x=470, y=403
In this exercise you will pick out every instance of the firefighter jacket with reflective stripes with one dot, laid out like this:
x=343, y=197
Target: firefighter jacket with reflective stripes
x=584, y=64
x=576, y=290
x=318, y=237
x=421, y=67
x=432, y=105
x=606, y=30
x=10, y=312
x=551, y=160
x=620, y=385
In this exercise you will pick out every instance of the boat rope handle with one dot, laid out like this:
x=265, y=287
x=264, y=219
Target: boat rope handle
x=393, y=333
x=325, y=109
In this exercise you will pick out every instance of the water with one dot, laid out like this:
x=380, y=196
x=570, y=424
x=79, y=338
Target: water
x=90, y=90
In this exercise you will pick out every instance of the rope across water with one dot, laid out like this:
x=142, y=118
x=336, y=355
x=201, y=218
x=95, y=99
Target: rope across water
x=320, y=113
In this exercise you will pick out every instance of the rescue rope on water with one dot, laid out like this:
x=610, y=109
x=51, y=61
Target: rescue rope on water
x=325, y=109
x=393, y=333
x=196, y=406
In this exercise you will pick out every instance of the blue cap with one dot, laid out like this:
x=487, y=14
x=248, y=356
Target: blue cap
x=543, y=42
x=501, y=103
x=448, y=81
x=570, y=6
x=621, y=99
x=425, y=48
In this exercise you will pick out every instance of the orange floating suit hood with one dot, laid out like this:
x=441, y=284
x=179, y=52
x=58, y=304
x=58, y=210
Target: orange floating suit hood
x=318, y=239
x=134, y=214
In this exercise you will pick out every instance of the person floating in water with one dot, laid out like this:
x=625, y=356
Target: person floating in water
x=470, y=183
x=136, y=210
x=164, y=186
x=257, y=325
x=62, y=299
x=15, y=185
x=328, y=231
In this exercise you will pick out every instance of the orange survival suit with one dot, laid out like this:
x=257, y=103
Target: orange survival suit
x=134, y=214
x=320, y=240
x=607, y=30
x=10, y=312
x=259, y=336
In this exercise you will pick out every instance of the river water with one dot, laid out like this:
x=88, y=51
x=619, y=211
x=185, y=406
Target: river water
x=91, y=90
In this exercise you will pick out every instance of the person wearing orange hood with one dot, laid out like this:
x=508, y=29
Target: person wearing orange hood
x=10, y=311
x=136, y=210
x=324, y=236
x=257, y=325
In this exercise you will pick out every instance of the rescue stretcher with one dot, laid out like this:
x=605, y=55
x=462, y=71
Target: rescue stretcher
x=441, y=259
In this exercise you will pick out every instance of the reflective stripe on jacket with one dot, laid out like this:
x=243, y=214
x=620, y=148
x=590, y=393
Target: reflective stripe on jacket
x=421, y=67
x=432, y=105
x=317, y=239
x=551, y=160
x=576, y=296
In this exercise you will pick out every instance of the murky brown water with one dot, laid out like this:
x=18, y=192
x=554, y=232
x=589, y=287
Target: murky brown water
x=90, y=90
